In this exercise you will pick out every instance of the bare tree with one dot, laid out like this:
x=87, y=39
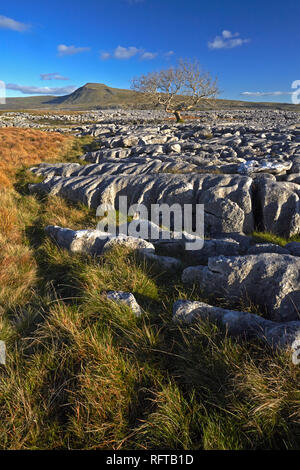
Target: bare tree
x=177, y=89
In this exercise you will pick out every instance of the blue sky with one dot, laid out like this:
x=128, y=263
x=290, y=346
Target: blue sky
x=252, y=46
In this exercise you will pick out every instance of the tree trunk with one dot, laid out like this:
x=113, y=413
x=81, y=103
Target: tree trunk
x=178, y=116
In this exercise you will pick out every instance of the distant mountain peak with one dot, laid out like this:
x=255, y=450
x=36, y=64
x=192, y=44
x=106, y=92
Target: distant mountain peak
x=99, y=95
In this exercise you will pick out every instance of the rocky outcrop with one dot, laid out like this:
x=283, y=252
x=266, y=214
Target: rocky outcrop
x=130, y=167
x=280, y=207
x=94, y=242
x=232, y=203
x=239, y=324
x=271, y=281
x=243, y=165
x=264, y=166
x=226, y=198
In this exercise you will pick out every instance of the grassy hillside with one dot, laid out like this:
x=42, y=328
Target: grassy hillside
x=30, y=102
x=98, y=95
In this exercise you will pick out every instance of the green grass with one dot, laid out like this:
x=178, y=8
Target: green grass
x=266, y=237
x=84, y=373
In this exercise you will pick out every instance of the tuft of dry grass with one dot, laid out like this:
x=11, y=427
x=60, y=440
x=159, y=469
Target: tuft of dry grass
x=20, y=215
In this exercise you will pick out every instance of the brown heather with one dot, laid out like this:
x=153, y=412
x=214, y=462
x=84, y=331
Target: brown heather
x=28, y=147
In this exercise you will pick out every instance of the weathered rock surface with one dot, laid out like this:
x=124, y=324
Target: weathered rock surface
x=267, y=248
x=165, y=263
x=254, y=166
x=226, y=198
x=280, y=207
x=247, y=325
x=93, y=242
x=129, y=242
x=213, y=247
x=126, y=298
x=271, y=281
x=2, y=353
x=113, y=168
x=293, y=248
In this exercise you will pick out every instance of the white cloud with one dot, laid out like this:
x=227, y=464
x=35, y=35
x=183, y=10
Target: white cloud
x=125, y=52
x=70, y=50
x=227, y=40
x=34, y=90
x=169, y=53
x=228, y=34
x=266, y=93
x=9, y=23
x=105, y=55
x=53, y=76
x=149, y=55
